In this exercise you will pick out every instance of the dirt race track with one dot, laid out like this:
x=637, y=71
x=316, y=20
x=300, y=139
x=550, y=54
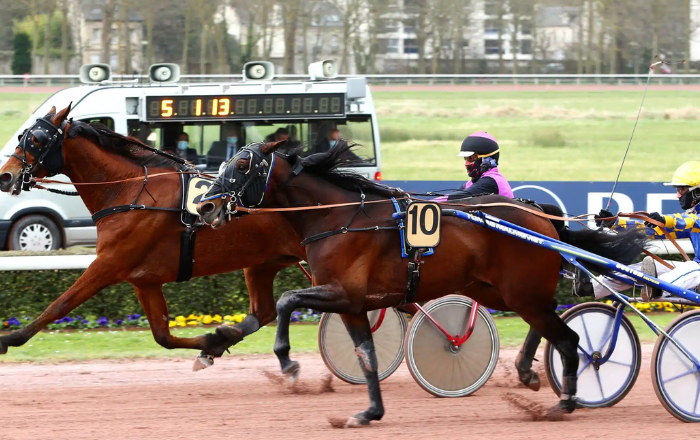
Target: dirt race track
x=164, y=399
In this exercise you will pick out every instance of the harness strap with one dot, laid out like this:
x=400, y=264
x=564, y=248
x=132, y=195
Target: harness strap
x=344, y=230
x=186, y=265
x=58, y=191
x=126, y=208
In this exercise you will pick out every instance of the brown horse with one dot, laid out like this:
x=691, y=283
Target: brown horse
x=141, y=247
x=357, y=266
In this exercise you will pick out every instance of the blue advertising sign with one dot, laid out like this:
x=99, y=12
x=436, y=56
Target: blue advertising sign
x=576, y=198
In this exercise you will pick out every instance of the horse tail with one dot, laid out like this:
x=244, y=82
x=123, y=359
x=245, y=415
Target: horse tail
x=623, y=247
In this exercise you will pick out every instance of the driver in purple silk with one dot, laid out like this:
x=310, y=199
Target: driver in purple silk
x=480, y=152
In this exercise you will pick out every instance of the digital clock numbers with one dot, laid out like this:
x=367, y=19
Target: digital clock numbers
x=245, y=106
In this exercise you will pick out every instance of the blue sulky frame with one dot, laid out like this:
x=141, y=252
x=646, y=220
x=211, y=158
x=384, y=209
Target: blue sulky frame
x=574, y=255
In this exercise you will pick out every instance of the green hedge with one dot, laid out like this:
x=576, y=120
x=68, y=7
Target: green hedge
x=28, y=293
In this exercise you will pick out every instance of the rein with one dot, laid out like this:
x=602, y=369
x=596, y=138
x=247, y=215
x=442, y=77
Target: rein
x=131, y=179
x=640, y=215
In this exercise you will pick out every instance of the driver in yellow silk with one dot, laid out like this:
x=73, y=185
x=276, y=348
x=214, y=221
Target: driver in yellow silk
x=685, y=274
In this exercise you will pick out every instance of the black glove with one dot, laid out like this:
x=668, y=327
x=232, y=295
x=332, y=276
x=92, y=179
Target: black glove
x=656, y=216
x=605, y=223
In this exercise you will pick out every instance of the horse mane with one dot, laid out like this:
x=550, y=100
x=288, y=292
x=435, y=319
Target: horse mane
x=326, y=166
x=125, y=146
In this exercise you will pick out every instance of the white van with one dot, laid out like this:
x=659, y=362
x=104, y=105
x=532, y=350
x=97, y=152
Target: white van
x=211, y=114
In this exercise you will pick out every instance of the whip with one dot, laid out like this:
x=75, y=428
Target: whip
x=634, y=128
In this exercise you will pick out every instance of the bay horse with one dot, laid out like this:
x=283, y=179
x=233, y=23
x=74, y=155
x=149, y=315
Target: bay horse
x=141, y=247
x=356, y=264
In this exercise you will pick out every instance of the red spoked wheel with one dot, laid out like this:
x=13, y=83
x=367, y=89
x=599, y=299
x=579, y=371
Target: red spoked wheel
x=459, y=364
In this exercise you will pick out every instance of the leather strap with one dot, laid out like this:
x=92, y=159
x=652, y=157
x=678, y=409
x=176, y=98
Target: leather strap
x=126, y=208
x=187, y=242
x=343, y=230
x=131, y=179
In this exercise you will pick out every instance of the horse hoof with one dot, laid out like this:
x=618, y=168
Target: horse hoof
x=202, y=361
x=530, y=379
x=352, y=422
x=564, y=407
x=3, y=348
x=292, y=370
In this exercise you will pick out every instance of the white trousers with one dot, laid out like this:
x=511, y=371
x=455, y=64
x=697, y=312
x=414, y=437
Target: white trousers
x=686, y=275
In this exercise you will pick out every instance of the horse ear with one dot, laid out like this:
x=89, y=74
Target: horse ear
x=61, y=116
x=271, y=147
x=53, y=110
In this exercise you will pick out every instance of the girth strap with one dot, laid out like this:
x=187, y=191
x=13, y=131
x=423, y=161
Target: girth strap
x=413, y=278
x=125, y=208
x=187, y=241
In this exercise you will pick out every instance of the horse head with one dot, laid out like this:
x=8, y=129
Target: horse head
x=243, y=181
x=39, y=152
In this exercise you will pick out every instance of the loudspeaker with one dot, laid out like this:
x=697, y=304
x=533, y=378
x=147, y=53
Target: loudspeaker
x=95, y=73
x=164, y=73
x=258, y=71
x=324, y=69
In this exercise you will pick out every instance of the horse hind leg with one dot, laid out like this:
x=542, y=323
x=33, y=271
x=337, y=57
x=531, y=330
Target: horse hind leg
x=551, y=327
x=523, y=362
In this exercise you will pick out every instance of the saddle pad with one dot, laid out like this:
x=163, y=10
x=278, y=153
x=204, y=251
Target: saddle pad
x=402, y=232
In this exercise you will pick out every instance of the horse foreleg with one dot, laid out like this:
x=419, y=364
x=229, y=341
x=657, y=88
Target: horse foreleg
x=330, y=298
x=94, y=279
x=359, y=329
x=153, y=302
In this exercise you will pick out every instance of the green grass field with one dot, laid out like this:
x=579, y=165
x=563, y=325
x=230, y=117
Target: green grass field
x=546, y=135
x=84, y=345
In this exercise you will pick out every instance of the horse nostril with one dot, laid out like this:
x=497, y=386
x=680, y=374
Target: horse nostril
x=206, y=208
x=5, y=177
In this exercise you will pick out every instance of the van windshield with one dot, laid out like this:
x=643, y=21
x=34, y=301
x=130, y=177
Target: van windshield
x=211, y=143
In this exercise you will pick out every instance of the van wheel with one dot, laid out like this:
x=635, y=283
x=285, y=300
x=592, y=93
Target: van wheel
x=34, y=233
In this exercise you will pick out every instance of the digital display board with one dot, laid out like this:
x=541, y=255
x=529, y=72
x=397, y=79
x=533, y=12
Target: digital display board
x=176, y=108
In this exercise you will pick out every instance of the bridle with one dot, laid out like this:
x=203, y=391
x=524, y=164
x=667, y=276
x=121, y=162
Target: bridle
x=255, y=180
x=44, y=141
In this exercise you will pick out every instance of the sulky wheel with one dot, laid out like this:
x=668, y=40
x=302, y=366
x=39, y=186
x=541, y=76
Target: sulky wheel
x=338, y=350
x=604, y=384
x=676, y=378
x=436, y=364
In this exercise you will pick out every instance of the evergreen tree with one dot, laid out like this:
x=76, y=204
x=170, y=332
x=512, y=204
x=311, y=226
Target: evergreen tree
x=22, y=59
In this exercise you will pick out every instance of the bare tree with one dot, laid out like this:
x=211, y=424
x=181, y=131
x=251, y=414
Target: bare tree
x=290, y=20
x=462, y=9
x=500, y=22
x=50, y=6
x=349, y=9
x=516, y=12
x=107, y=20
x=186, y=42
x=64, y=37
x=35, y=29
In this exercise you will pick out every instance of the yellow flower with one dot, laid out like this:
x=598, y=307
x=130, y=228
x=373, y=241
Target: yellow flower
x=228, y=318
x=609, y=302
x=180, y=319
x=207, y=319
x=182, y=324
x=239, y=317
x=191, y=317
x=193, y=323
x=217, y=318
x=172, y=324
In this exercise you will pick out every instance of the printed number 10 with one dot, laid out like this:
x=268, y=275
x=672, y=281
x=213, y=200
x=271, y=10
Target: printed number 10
x=422, y=219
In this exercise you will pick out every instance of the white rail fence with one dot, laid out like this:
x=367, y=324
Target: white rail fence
x=64, y=262
x=465, y=79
